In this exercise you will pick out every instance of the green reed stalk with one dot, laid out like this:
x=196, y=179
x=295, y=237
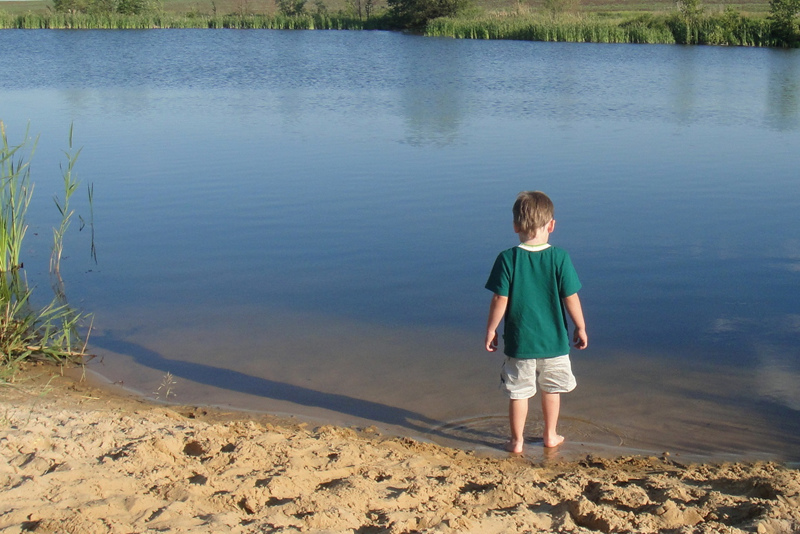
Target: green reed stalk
x=90, y=191
x=70, y=185
x=15, y=197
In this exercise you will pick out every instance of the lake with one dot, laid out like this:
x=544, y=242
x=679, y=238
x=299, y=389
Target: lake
x=302, y=222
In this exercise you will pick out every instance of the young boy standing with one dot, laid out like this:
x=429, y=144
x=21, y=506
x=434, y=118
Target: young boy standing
x=534, y=284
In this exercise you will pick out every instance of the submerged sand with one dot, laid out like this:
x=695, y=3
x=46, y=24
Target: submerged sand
x=77, y=459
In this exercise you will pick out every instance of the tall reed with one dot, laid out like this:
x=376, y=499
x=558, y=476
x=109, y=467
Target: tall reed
x=15, y=197
x=26, y=331
x=63, y=206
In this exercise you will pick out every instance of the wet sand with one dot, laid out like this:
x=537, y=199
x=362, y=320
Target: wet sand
x=79, y=458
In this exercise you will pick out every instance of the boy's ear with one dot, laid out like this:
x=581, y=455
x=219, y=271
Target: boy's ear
x=551, y=226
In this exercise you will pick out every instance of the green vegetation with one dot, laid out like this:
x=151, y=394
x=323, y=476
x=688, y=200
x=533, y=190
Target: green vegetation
x=112, y=21
x=124, y=7
x=415, y=14
x=748, y=23
x=783, y=17
x=28, y=332
x=729, y=28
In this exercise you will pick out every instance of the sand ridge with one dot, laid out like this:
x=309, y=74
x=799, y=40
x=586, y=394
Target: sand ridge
x=82, y=460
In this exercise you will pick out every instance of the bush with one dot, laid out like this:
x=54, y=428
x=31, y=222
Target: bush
x=782, y=15
x=415, y=14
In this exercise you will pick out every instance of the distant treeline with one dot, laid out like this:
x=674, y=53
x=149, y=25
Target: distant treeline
x=558, y=21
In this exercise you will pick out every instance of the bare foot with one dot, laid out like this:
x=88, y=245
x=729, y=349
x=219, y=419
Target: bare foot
x=514, y=446
x=555, y=442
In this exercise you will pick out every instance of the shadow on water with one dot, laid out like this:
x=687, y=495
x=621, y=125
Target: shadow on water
x=281, y=391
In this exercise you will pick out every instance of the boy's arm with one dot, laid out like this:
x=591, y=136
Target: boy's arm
x=497, y=310
x=573, y=305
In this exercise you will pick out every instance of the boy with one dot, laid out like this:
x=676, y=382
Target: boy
x=533, y=285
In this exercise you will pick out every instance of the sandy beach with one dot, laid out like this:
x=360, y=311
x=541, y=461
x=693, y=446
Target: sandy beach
x=81, y=459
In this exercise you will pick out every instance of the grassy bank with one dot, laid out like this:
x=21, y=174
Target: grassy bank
x=115, y=21
x=267, y=7
x=729, y=28
x=602, y=21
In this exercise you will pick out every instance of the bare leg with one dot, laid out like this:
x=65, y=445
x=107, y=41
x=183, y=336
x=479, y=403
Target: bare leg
x=517, y=414
x=551, y=405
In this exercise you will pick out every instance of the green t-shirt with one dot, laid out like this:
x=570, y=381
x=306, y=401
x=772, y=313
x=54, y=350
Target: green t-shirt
x=534, y=279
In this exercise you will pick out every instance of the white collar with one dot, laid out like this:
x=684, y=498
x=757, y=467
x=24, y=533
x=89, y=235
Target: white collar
x=534, y=248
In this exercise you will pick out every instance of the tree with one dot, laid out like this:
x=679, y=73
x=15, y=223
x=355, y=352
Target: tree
x=131, y=7
x=685, y=24
x=361, y=8
x=690, y=10
x=102, y=6
x=782, y=14
x=291, y=8
x=415, y=14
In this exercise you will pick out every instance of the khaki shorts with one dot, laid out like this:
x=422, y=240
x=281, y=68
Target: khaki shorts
x=519, y=377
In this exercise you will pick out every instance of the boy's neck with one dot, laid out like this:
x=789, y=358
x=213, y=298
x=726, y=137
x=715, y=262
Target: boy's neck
x=540, y=238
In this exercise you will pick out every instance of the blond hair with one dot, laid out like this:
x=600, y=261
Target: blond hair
x=532, y=211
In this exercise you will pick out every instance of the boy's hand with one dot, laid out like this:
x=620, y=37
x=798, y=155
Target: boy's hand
x=491, y=341
x=580, y=338
x=573, y=305
x=497, y=310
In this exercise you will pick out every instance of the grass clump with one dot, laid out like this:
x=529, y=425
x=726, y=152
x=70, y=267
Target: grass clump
x=28, y=332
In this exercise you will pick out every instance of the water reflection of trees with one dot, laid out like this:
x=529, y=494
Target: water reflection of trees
x=432, y=117
x=783, y=92
x=432, y=93
x=684, y=85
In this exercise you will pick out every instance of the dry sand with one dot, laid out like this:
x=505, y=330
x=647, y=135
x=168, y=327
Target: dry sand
x=77, y=459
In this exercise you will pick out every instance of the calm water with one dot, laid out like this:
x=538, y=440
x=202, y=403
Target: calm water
x=302, y=223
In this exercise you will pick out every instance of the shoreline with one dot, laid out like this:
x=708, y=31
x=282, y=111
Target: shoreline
x=83, y=458
x=641, y=420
